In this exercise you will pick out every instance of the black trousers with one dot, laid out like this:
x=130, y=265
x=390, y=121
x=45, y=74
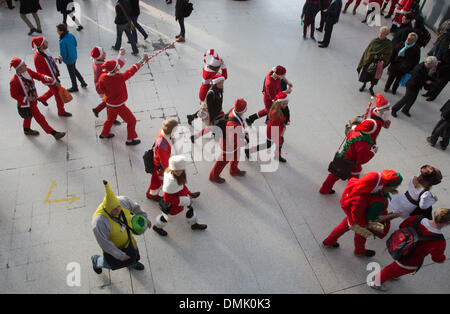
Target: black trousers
x=442, y=129
x=9, y=3
x=393, y=78
x=407, y=101
x=74, y=75
x=268, y=144
x=181, y=22
x=437, y=87
x=328, y=32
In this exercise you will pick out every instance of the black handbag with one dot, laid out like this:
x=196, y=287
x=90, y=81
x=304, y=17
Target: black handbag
x=128, y=250
x=24, y=112
x=149, y=161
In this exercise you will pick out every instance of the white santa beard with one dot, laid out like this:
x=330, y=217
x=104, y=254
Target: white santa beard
x=26, y=75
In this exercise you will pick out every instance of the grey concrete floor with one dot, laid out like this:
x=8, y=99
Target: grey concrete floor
x=264, y=230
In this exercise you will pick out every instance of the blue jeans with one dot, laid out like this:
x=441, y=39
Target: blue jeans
x=125, y=28
x=139, y=28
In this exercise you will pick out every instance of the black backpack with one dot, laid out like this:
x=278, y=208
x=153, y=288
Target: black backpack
x=188, y=8
x=149, y=160
x=403, y=241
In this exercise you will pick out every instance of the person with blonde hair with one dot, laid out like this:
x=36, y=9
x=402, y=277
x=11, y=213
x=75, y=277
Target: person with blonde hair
x=279, y=118
x=177, y=197
x=163, y=149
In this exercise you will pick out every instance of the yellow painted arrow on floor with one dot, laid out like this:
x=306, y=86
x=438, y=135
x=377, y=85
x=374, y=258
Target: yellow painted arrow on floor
x=72, y=199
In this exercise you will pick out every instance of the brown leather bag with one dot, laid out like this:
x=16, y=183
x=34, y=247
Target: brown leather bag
x=341, y=167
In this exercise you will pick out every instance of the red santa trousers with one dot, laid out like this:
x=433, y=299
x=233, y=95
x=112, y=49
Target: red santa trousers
x=340, y=230
x=126, y=115
x=155, y=184
x=393, y=271
x=40, y=119
x=53, y=90
x=329, y=182
x=392, y=7
x=100, y=107
x=222, y=162
x=267, y=104
x=358, y=2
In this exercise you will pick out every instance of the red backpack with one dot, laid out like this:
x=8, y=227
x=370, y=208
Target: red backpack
x=403, y=241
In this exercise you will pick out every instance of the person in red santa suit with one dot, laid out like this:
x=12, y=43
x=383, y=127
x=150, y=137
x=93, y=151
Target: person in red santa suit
x=214, y=66
x=98, y=55
x=46, y=64
x=113, y=85
x=380, y=112
x=359, y=148
x=435, y=248
x=23, y=90
x=359, y=196
x=279, y=118
x=403, y=7
x=163, y=149
x=391, y=8
x=177, y=197
x=274, y=83
x=234, y=137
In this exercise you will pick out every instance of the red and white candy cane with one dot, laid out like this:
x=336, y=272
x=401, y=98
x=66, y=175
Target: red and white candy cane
x=158, y=52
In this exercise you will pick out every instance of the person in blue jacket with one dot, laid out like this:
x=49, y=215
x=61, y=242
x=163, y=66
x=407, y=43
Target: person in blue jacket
x=68, y=52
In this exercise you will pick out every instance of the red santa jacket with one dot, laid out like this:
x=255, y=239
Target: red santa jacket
x=358, y=151
x=162, y=150
x=42, y=66
x=235, y=134
x=271, y=88
x=97, y=67
x=435, y=248
x=17, y=87
x=380, y=123
x=207, y=75
x=276, y=121
x=357, y=195
x=403, y=8
x=176, y=195
x=114, y=87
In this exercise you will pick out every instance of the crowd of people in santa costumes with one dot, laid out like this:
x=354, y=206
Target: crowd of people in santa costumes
x=98, y=55
x=163, y=148
x=23, y=90
x=46, y=64
x=177, y=197
x=234, y=138
x=214, y=65
x=358, y=200
x=274, y=82
x=112, y=84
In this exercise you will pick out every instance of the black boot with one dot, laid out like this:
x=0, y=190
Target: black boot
x=138, y=266
x=160, y=231
x=198, y=226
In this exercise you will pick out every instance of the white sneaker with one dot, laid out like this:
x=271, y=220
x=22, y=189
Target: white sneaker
x=381, y=288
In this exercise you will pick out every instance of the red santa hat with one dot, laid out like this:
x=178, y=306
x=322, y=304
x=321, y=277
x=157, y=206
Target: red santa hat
x=279, y=70
x=240, y=106
x=37, y=42
x=211, y=57
x=217, y=78
x=367, y=126
x=391, y=178
x=110, y=65
x=15, y=62
x=97, y=52
x=381, y=102
x=281, y=96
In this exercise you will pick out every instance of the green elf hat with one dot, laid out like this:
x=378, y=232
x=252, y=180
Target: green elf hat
x=139, y=224
x=391, y=178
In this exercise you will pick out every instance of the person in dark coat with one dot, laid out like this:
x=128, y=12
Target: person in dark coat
x=405, y=57
x=122, y=25
x=333, y=13
x=443, y=69
x=61, y=6
x=27, y=7
x=135, y=12
x=323, y=6
x=421, y=74
x=442, y=128
x=179, y=16
x=310, y=10
x=378, y=50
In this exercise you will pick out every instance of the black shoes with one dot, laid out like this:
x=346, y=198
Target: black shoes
x=73, y=89
x=247, y=153
x=98, y=271
x=406, y=113
x=117, y=122
x=198, y=226
x=193, y=139
x=138, y=266
x=79, y=28
x=371, y=91
x=368, y=253
x=84, y=85
x=281, y=159
x=65, y=114
x=58, y=135
x=336, y=245
x=319, y=29
x=219, y=180
x=95, y=112
x=154, y=199
x=160, y=231
x=430, y=141
x=110, y=135
x=43, y=102
x=323, y=46
x=31, y=132
x=114, y=48
x=394, y=113
x=133, y=142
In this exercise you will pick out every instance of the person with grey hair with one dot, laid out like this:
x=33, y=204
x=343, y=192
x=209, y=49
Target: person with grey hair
x=420, y=76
